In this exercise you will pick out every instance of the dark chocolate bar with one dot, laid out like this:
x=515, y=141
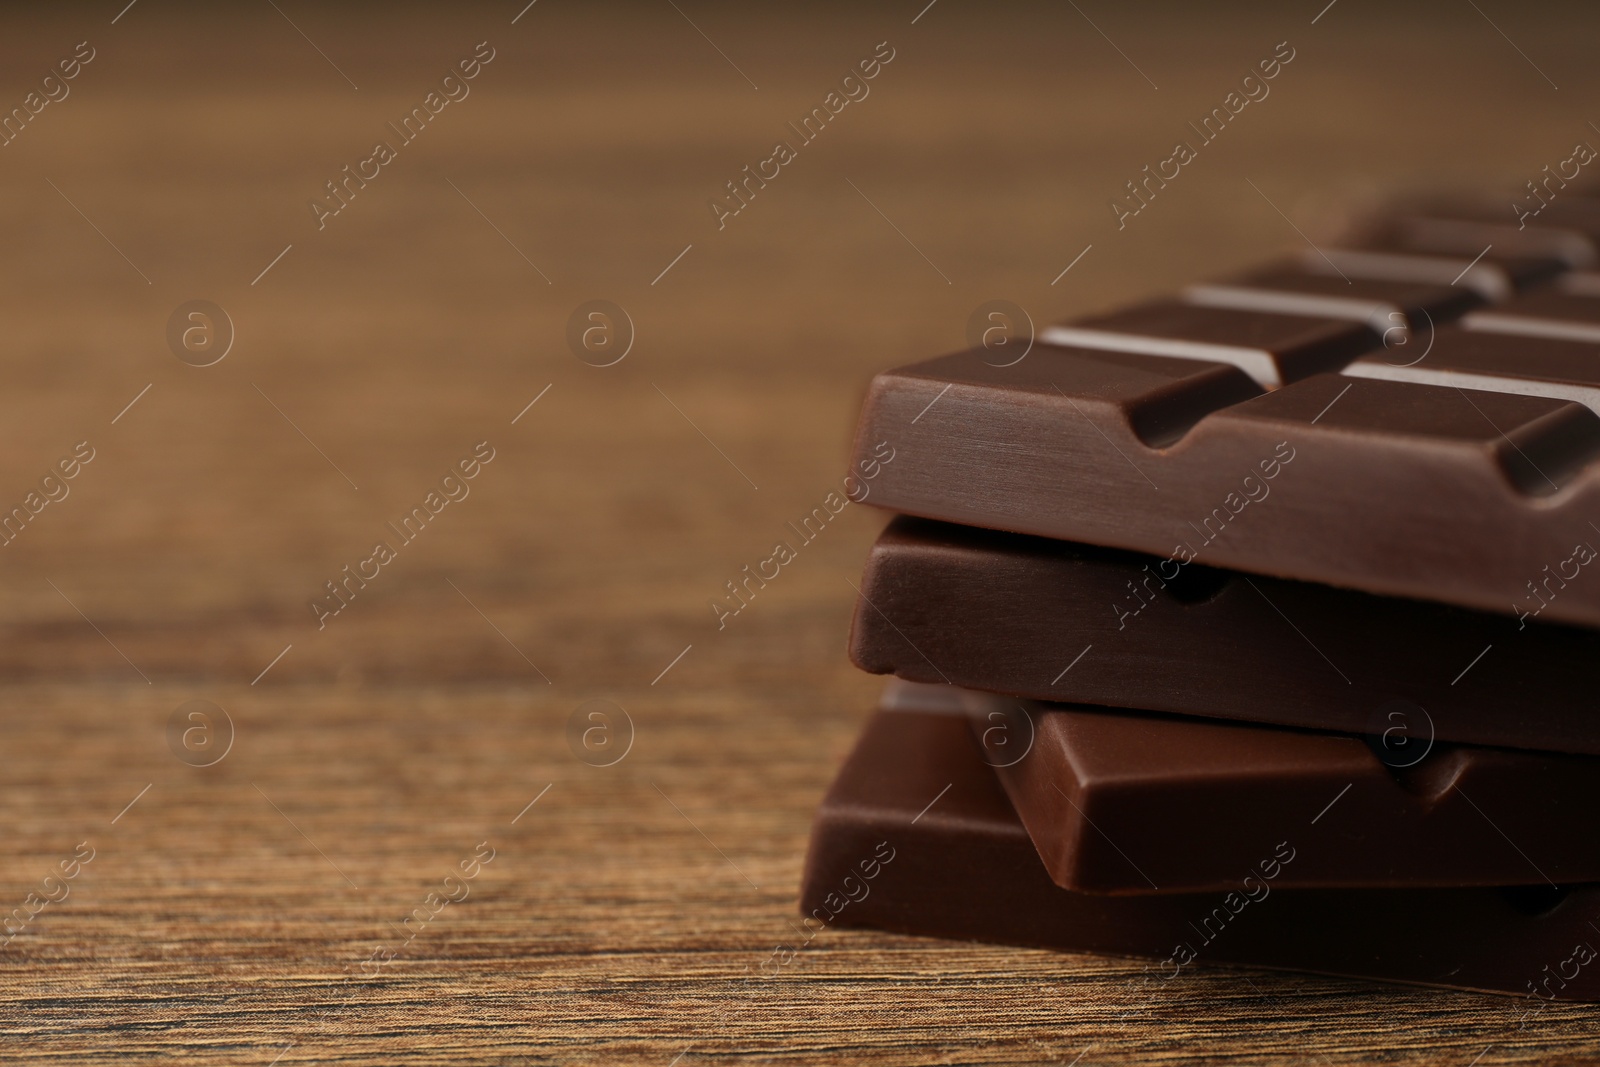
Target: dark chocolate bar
x=1132, y=802
x=1053, y=620
x=916, y=835
x=1485, y=499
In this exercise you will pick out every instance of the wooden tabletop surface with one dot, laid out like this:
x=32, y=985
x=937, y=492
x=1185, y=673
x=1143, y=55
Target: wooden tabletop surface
x=252, y=911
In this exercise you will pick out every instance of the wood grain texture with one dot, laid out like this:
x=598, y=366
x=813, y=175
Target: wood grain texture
x=225, y=911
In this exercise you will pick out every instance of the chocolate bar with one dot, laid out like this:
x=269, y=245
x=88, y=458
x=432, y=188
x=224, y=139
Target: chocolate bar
x=1132, y=802
x=1482, y=498
x=916, y=835
x=1056, y=621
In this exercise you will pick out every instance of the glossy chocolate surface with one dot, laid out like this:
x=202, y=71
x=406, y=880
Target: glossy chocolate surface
x=1474, y=497
x=1052, y=620
x=916, y=835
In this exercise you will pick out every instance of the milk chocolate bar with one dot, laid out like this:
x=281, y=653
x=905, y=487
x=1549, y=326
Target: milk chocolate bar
x=1052, y=620
x=1485, y=497
x=1131, y=802
x=916, y=835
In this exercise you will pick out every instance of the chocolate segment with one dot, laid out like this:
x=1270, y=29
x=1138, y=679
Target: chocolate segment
x=916, y=835
x=1580, y=283
x=1565, y=315
x=1568, y=230
x=1493, y=277
x=1051, y=620
x=1476, y=498
x=1272, y=349
x=1536, y=363
x=1390, y=309
x=1131, y=802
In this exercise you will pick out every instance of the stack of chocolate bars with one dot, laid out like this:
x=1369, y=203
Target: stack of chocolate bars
x=1255, y=626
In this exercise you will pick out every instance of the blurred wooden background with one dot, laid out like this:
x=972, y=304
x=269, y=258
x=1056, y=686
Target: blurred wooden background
x=227, y=912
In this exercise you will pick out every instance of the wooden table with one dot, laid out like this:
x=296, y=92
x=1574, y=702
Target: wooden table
x=250, y=912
